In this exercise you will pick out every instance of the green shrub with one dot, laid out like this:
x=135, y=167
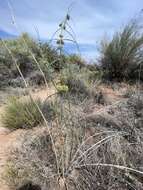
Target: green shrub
x=48, y=53
x=27, y=52
x=77, y=86
x=20, y=53
x=76, y=59
x=22, y=114
x=94, y=76
x=122, y=57
x=76, y=82
x=80, y=82
x=49, y=58
x=78, y=91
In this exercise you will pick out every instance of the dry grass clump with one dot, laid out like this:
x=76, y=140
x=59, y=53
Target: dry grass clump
x=21, y=114
x=25, y=114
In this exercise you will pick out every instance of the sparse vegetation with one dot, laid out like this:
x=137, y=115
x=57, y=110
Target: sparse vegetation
x=79, y=152
x=81, y=141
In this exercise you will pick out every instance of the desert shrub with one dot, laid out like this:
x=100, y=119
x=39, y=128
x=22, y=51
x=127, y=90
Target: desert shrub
x=21, y=49
x=122, y=57
x=92, y=67
x=77, y=65
x=27, y=52
x=95, y=76
x=76, y=59
x=34, y=159
x=4, y=75
x=48, y=53
x=77, y=86
x=36, y=78
x=20, y=53
x=81, y=82
x=47, y=69
x=50, y=59
x=77, y=81
x=129, y=91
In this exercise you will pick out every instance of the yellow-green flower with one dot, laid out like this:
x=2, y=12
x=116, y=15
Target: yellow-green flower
x=62, y=88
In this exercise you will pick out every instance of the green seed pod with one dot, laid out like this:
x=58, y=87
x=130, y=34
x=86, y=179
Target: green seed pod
x=60, y=25
x=62, y=42
x=61, y=36
x=68, y=17
x=58, y=41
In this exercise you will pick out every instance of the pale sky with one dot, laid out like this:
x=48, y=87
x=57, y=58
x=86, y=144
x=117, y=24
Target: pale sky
x=91, y=19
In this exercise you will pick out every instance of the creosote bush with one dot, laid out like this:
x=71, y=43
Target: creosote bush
x=122, y=57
